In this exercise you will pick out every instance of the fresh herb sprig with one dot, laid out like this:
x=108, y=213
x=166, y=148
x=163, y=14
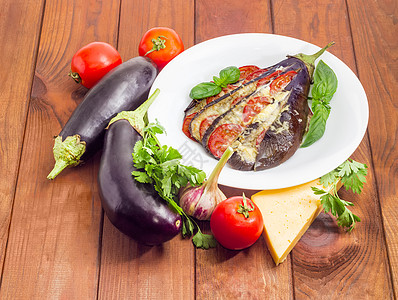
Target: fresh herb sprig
x=352, y=175
x=208, y=89
x=325, y=85
x=161, y=167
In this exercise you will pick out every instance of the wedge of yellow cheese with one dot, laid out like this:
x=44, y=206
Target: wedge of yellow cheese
x=287, y=214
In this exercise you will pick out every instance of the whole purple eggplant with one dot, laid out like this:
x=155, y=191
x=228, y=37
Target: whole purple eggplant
x=123, y=88
x=134, y=208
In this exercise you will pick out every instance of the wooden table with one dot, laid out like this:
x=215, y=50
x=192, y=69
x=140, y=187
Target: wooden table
x=56, y=243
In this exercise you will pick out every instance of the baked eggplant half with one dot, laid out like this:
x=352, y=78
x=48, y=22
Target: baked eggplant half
x=263, y=119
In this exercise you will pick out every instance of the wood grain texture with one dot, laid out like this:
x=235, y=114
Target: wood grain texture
x=217, y=18
x=374, y=26
x=19, y=34
x=53, y=246
x=129, y=270
x=221, y=273
x=328, y=263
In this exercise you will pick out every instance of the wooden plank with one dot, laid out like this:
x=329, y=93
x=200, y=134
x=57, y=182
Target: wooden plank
x=130, y=270
x=375, y=31
x=328, y=263
x=221, y=273
x=53, y=248
x=22, y=20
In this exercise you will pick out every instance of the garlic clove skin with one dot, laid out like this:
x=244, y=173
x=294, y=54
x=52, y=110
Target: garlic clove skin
x=189, y=197
x=200, y=202
x=207, y=203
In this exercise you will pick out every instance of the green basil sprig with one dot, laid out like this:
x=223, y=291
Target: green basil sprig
x=325, y=85
x=208, y=89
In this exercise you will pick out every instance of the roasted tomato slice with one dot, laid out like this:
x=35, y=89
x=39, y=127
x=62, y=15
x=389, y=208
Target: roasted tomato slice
x=185, y=126
x=264, y=80
x=222, y=137
x=260, y=137
x=246, y=70
x=281, y=82
x=206, y=124
x=254, y=106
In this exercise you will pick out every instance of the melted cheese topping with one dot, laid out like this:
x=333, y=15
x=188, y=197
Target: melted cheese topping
x=219, y=108
x=245, y=145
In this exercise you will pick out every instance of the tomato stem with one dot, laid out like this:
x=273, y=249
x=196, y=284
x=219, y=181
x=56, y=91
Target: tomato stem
x=245, y=209
x=158, y=44
x=76, y=77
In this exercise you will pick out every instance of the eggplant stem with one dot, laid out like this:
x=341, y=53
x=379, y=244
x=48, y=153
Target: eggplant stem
x=138, y=118
x=66, y=153
x=309, y=60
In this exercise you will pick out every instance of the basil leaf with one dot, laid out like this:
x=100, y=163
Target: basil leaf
x=219, y=81
x=325, y=82
x=318, y=123
x=229, y=75
x=204, y=90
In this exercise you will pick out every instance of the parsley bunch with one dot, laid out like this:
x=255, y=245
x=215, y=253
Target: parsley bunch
x=161, y=167
x=352, y=175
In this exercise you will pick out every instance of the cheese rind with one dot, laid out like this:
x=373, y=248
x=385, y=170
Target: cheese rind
x=287, y=214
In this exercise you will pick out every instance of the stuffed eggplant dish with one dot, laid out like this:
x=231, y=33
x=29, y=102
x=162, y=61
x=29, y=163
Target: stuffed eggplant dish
x=263, y=116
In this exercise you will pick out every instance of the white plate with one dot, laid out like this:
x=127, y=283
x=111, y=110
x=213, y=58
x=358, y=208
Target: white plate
x=345, y=129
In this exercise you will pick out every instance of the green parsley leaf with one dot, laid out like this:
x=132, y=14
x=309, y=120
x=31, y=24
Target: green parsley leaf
x=347, y=219
x=141, y=177
x=204, y=241
x=352, y=175
x=160, y=166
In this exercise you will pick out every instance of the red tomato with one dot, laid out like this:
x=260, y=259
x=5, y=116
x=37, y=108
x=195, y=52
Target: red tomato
x=92, y=62
x=254, y=106
x=236, y=223
x=222, y=137
x=205, y=124
x=161, y=44
x=246, y=70
x=185, y=126
x=281, y=82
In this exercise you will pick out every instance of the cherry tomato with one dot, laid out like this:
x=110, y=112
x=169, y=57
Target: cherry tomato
x=236, y=223
x=92, y=62
x=254, y=106
x=185, y=126
x=161, y=44
x=281, y=82
x=222, y=137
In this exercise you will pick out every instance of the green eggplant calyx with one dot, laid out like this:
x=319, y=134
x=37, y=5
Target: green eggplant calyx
x=137, y=118
x=66, y=153
x=309, y=60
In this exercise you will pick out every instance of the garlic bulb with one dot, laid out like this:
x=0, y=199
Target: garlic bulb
x=200, y=201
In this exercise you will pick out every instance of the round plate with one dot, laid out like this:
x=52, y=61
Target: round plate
x=345, y=127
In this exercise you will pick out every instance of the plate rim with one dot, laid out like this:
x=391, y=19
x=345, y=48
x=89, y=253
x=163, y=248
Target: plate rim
x=254, y=186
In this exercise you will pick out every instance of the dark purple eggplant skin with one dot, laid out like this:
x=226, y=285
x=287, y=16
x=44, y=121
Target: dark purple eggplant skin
x=123, y=88
x=275, y=148
x=134, y=208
